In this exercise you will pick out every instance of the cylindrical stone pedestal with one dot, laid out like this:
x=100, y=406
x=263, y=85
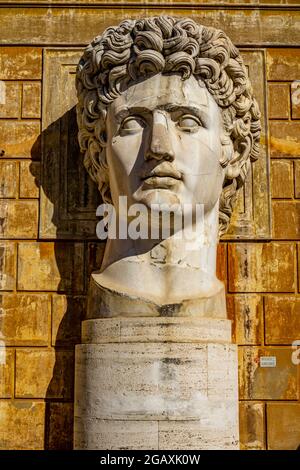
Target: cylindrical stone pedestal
x=156, y=383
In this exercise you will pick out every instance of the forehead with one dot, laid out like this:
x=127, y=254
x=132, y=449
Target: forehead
x=160, y=90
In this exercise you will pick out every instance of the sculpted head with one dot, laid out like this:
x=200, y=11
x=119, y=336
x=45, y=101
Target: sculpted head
x=166, y=114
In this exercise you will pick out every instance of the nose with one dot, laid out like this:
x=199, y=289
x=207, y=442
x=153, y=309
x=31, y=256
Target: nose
x=160, y=147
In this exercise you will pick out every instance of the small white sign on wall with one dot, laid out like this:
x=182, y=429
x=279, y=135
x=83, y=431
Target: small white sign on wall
x=267, y=361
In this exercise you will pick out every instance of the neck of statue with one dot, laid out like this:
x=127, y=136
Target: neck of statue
x=181, y=266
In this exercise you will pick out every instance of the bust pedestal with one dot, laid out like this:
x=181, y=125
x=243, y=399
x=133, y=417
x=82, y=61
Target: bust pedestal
x=156, y=383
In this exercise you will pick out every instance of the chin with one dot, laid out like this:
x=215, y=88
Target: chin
x=158, y=196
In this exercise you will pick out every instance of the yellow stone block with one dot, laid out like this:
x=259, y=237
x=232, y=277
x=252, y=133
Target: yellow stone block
x=282, y=179
x=10, y=99
x=31, y=102
x=19, y=139
x=7, y=266
x=267, y=383
x=28, y=181
x=261, y=267
x=19, y=219
x=252, y=426
x=22, y=425
x=9, y=179
x=246, y=313
x=283, y=425
x=50, y=374
x=20, y=63
x=6, y=369
x=25, y=319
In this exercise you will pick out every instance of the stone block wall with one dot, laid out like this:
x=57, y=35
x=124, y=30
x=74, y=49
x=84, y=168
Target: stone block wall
x=44, y=282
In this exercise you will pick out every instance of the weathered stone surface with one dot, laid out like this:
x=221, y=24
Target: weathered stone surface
x=246, y=313
x=103, y=434
x=31, y=102
x=297, y=178
x=56, y=381
x=50, y=266
x=279, y=100
x=284, y=139
x=28, y=180
x=217, y=430
x=7, y=266
x=10, y=99
x=286, y=220
x=17, y=139
x=295, y=99
x=9, y=179
x=20, y=63
x=282, y=179
x=6, y=369
x=22, y=425
x=252, y=424
x=283, y=425
x=282, y=319
x=24, y=319
x=19, y=219
x=267, y=383
x=261, y=267
x=283, y=64
x=60, y=426
x=246, y=27
x=67, y=314
x=155, y=330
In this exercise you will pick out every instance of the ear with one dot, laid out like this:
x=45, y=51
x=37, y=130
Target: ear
x=239, y=163
x=227, y=150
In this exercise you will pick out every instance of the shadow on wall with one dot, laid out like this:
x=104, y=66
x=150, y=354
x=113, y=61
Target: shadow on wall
x=75, y=252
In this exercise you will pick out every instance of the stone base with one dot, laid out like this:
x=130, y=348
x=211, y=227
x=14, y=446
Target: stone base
x=156, y=383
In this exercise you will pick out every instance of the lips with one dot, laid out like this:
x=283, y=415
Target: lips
x=161, y=173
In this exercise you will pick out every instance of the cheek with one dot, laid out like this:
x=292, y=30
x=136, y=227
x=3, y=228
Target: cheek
x=200, y=154
x=123, y=152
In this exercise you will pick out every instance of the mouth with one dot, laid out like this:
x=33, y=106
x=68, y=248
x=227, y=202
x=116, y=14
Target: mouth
x=162, y=177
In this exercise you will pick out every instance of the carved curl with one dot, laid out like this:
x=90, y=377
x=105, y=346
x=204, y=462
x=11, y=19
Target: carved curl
x=139, y=48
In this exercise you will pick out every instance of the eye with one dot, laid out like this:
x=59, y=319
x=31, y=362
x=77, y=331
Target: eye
x=189, y=123
x=132, y=124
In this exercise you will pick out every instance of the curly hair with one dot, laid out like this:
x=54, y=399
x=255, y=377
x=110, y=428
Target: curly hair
x=139, y=48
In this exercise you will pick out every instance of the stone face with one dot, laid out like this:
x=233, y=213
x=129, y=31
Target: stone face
x=56, y=380
x=60, y=426
x=17, y=139
x=67, y=314
x=252, y=423
x=263, y=267
x=31, y=102
x=6, y=370
x=24, y=319
x=10, y=99
x=279, y=100
x=50, y=266
x=286, y=220
x=283, y=64
x=282, y=179
x=284, y=139
x=282, y=319
x=246, y=312
x=7, y=266
x=283, y=424
x=20, y=63
x=28, y=418
x=9, y=179
x=19, y=219
x=28, y=179
x=268, y=383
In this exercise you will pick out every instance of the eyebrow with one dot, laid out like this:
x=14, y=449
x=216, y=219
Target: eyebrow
x=200, y=111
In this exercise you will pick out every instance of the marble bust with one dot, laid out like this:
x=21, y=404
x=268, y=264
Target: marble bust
x=166, y=116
